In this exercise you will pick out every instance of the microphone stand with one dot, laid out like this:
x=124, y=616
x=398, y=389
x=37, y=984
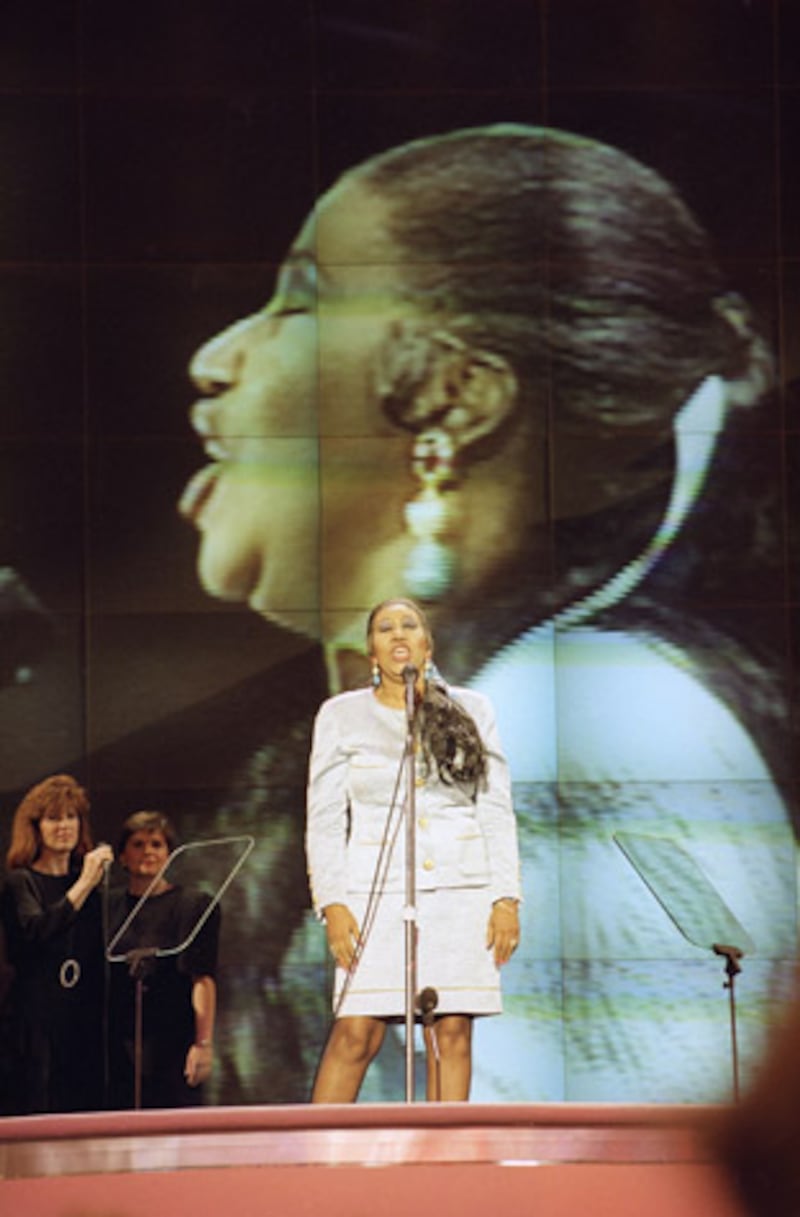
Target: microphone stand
x=731, y=955
x=410, y=909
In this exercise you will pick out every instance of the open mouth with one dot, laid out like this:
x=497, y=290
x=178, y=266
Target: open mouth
x=197, y=493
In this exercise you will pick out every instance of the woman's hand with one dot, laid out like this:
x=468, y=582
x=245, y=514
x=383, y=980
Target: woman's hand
x=93, y=868
x=343, y=930
x=95, y=862
x=502, y=932
x=199, y=1061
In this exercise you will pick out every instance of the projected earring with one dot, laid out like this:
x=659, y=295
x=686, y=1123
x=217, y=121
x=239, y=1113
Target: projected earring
x=431, y=563
x=376, y=675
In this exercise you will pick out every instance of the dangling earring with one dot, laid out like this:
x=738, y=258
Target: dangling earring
x=433, y=676
x=376, y=675
x=431, y=563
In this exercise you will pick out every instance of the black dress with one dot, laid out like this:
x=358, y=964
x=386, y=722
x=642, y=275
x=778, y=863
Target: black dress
x=168, y=1027
x=55, y=1007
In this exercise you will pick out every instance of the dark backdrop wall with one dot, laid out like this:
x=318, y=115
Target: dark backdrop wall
x=156, y=160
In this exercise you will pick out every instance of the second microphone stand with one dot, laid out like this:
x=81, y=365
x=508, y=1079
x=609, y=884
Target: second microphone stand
x=410, y=908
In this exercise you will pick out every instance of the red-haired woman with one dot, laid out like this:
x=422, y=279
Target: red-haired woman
x=53, y=922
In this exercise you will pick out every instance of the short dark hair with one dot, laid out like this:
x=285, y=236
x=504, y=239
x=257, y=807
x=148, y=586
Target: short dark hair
x=147, y=821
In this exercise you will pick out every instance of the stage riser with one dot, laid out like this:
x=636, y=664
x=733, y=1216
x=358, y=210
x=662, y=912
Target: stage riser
x=365, y=1161
x=396, y=1191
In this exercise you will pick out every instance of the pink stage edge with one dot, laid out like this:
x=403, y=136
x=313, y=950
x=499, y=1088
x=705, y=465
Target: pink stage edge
x=375, y=1160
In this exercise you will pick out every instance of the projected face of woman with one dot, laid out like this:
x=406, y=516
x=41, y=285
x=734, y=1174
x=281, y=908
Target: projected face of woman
x=302, y=502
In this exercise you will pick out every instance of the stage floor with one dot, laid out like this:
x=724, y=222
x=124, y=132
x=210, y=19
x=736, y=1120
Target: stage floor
x=371, y=1159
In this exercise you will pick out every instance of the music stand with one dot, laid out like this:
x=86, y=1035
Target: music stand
x=137, y=957
x=695, y=908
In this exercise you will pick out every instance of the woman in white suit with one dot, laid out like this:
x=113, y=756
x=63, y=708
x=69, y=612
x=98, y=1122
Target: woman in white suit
x=466, y=872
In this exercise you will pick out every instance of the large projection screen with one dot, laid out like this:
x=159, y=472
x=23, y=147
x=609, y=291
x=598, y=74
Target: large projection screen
x=231, y=315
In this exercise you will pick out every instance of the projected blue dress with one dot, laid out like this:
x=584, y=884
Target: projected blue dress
x=608, y=1000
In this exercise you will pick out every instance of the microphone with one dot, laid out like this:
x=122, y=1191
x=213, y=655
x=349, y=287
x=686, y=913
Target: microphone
x=427, y=1002
x=410, y=681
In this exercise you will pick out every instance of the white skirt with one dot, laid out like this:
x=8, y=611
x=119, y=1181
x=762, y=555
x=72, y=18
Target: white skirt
x=452, y=956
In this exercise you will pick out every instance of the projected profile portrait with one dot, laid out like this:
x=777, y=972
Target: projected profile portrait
x=502, y=374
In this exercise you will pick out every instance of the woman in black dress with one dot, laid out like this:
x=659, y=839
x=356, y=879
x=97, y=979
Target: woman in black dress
x=178, y=993
x=53, y=921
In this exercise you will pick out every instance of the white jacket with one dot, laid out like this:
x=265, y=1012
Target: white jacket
x=357, y=763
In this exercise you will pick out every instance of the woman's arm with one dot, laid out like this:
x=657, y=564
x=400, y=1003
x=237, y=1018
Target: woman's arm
x=93, y=868
x=31, y=922
x=326, y=835
x=326, y=811
x=200, y=1057
x=34, y=922
x=495, y=809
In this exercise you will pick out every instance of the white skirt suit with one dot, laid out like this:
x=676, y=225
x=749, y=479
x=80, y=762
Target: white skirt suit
x=466, y=857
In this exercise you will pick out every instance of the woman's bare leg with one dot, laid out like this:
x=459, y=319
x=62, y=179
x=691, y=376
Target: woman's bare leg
x=449, y=1080
x=352, y=1044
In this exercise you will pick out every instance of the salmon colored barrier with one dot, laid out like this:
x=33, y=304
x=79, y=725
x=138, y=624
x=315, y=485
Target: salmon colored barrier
x=376, y=1160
